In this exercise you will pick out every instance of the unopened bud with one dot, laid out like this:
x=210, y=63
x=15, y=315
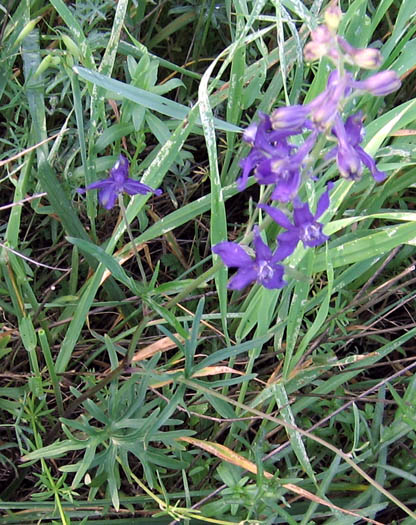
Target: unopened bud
x=47, y=62
x=314, y=51
x=368, y=58
x=290, y=117
x=72, y=48
x=321, y=34
x=380, y=84
x=333, y=15
x=25, y=31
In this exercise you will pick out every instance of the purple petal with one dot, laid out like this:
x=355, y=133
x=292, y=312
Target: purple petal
x=263, y=252
x=133, y=187
x=349, y=163
x=250, y=132
x=287, y=244
x=232, y=254
x=248, y=164
x=324, y=108
x=340, y=132
x=331, y=154
x=323, y=204
x=275, y=278
x=120, y=171
x=287, y=187
x=100, y=184
x=267, y=171
x=242, y=278
x=368, y=161
x=302, y=215
x=304, y=149
x=354, y=129
x=277, y=215
x=108, y=196
x=312, y=235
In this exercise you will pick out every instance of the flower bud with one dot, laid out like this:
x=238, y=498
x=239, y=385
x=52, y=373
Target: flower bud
x=322, y=35
x=71, y=46
x=333, y=15
x=380, y=84
x=367, y=58
x=314, y=51
x=290, y=117
x=25, y=31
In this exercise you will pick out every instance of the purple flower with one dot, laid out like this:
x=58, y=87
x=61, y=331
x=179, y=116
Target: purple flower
x=349, y=154
x=284, y=171
x=264, y=268
x=118, y=182
x=306, y=228
x=267, y=144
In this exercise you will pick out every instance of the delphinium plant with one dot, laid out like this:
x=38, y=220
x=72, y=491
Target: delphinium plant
x=133, y=387
x=284, y=164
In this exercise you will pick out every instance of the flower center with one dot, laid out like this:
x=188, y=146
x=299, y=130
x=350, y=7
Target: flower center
x=311, y=232
x=265, y=271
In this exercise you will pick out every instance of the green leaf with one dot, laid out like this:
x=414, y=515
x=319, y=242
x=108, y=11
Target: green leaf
x=145, y=98
x=104, y=258
x=367, y=247
x=27, y=333
x=294, y=436
x=55, y=450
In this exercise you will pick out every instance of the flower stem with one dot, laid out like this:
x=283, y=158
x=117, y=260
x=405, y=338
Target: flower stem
x=136, y=253
x=194, y=284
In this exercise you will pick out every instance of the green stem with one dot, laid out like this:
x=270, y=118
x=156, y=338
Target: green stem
x=194, y=284
x=136, y=253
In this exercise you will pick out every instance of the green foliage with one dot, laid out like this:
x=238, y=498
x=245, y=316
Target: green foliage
x=106, y=379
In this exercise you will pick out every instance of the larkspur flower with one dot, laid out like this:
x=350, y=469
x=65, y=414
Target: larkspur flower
x=264, y=268
x=118, y=182
x=267, y=144
x=284, y=172
x=306, y=227
x=350, y=156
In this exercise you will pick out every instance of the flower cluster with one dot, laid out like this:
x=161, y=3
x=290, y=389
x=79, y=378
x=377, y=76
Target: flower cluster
x=275, y=160
x=116, y=183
